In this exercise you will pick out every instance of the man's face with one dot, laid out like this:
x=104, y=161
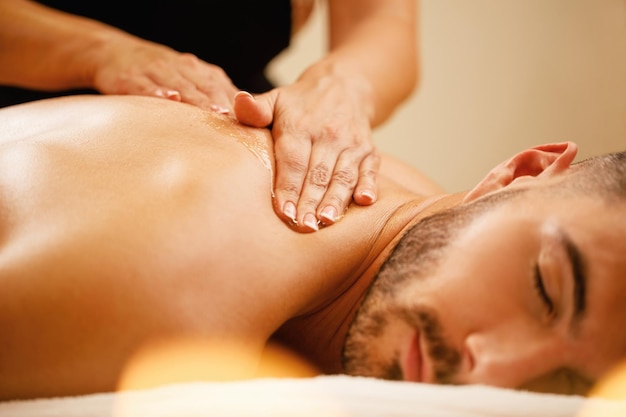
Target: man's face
x=528, y=293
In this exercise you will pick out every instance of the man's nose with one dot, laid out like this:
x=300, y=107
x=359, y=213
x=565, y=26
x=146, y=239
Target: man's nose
x=512, y=360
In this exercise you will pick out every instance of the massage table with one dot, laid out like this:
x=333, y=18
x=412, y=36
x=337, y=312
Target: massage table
x=320, y=396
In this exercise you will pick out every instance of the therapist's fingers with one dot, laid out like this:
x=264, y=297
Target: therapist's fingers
x=256, y=112
x=212, y=82
x=199, y=83
x=318, y=177
x=366, y=191
x=335, y=176
x=186, y=91
x=145, y=68
x=292, y=151
x=144, y=86
x=354, y=177
x=322, y=161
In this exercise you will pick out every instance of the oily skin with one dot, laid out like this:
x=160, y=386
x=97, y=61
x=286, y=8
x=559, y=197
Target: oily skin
x=127, y=220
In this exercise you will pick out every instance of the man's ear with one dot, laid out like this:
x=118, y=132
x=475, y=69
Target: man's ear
x=540, y=161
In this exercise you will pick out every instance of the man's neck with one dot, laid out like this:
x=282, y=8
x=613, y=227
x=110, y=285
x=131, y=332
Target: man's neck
x=319, y=336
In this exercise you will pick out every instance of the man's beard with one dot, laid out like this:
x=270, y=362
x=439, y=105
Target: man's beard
x=415, y=258
x=360, y=360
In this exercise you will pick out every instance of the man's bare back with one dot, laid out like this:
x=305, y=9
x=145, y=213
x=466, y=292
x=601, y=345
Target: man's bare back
x=126, y=220
x=129, y=226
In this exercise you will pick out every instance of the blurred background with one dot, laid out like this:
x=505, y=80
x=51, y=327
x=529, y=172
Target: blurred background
x=498, y=76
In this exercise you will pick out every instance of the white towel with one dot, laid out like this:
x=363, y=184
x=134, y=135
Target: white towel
x=323, y=396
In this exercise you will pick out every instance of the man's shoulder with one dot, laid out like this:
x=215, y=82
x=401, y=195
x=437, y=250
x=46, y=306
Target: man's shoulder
x=408, y=176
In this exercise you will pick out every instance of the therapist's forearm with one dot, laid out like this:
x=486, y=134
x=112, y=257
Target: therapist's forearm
x=43, y=48
x=374, y=45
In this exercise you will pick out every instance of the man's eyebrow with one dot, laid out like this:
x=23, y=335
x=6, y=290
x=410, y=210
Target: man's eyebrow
x=579, y=275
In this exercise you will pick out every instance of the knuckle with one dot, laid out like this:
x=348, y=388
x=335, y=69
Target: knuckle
x=295, y=164
x=363, y=148
x=214, y=72
x=290, y=158
x=189, y=58
x=309, y=202
x=345, y=177
x=368, y=174
x=319, y=176
x=331, y=132
x=371, y=162
x=289, y=190
x=368, y=148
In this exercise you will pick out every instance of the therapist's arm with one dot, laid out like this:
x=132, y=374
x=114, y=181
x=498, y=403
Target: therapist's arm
x=45, y=49
x=374, y=42
x=322, y=122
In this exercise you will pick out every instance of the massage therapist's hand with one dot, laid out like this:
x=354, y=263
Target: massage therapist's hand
x=146, y=68
x=322, y=142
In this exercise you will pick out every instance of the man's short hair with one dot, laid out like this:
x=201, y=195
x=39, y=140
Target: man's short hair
x=603, y=176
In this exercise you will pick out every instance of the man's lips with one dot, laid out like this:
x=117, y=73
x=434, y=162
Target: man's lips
x=414, y=361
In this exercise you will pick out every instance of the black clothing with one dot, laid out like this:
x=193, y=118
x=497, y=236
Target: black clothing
x=241, y=37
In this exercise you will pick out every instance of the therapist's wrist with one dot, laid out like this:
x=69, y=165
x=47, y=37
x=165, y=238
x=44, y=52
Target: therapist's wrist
x=356, y=86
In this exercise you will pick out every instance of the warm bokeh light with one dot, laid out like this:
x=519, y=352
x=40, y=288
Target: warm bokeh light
x=186, y=359
x=611, y=387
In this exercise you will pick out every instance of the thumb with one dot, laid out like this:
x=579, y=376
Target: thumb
x=256, y=112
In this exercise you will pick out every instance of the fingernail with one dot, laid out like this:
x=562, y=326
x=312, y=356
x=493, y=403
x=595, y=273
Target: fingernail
x=172, y=94
x=289, y=209
x=329, y=214
x=219, y=109
x=368, y=195
x=311, y=222
x=243, y=94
